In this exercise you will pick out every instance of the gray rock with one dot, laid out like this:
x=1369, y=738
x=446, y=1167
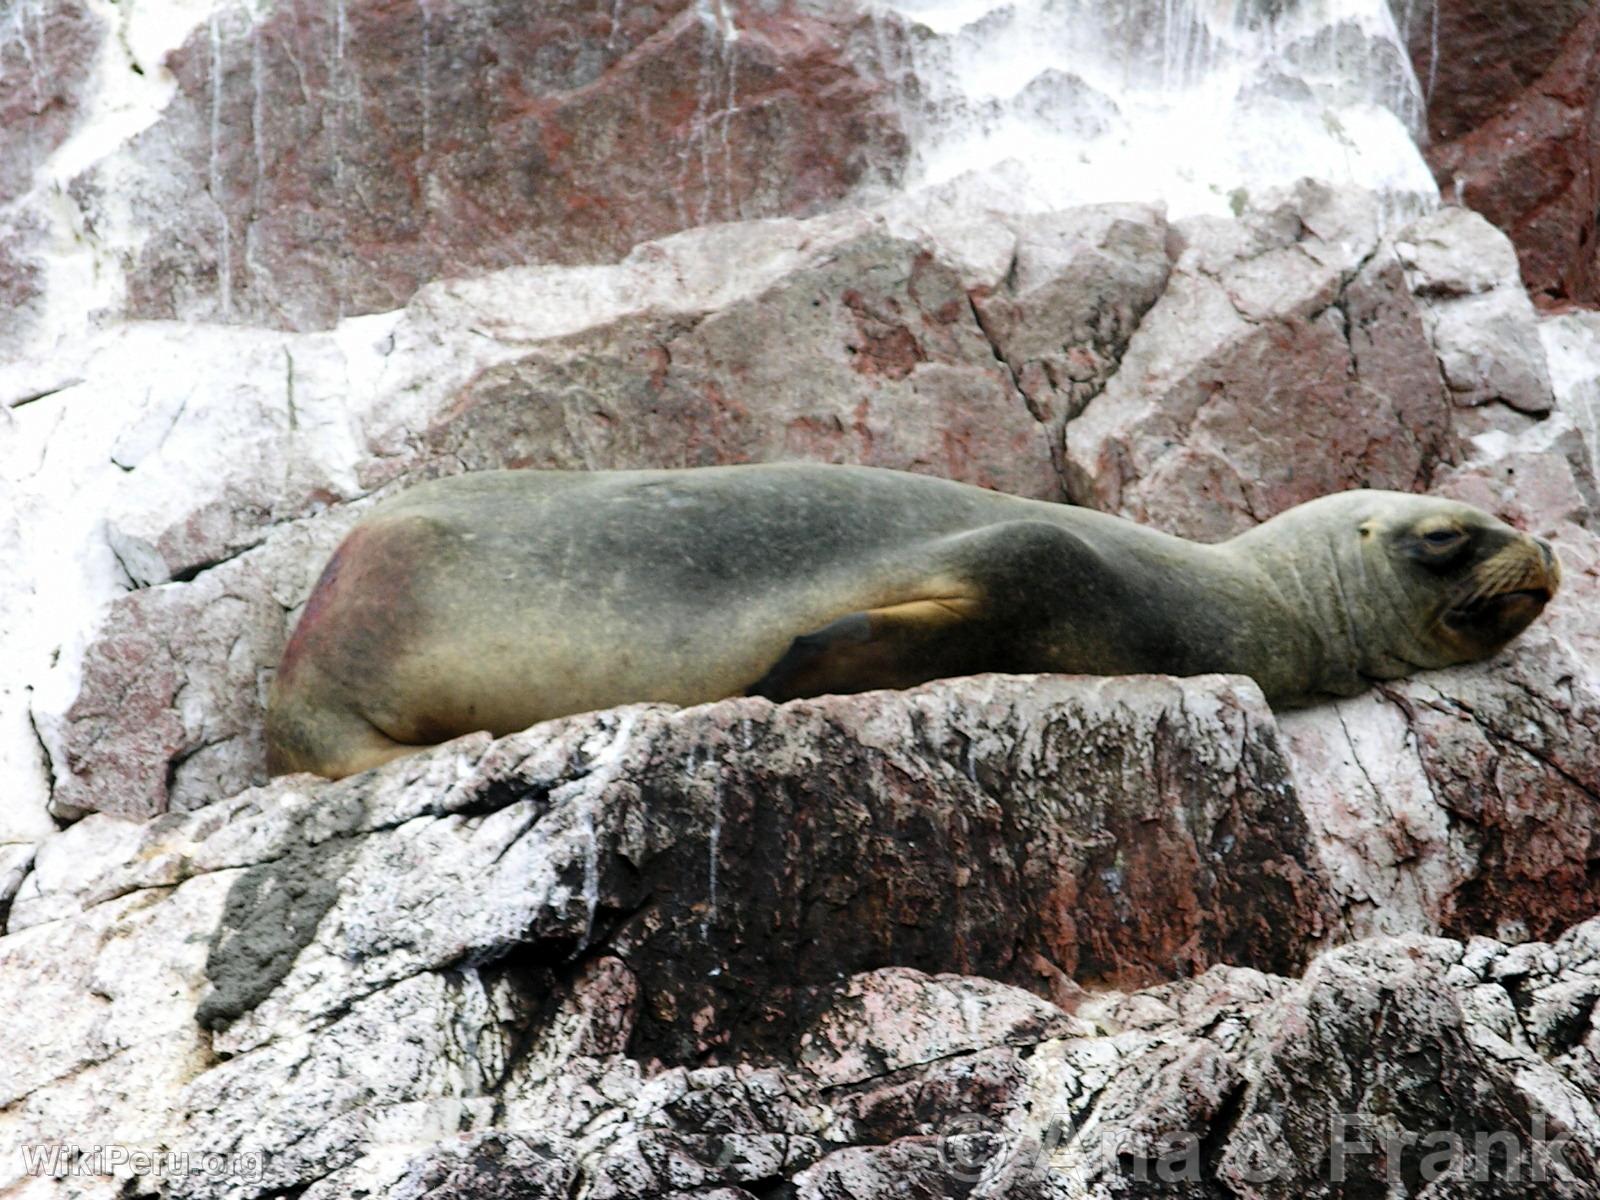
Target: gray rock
x=636, y=953
x=1285, y=359
x=1464, y=274
x=15, y=861
x=870, y=354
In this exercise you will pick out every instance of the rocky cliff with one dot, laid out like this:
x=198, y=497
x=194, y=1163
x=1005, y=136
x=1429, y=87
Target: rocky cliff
x=1002, y=935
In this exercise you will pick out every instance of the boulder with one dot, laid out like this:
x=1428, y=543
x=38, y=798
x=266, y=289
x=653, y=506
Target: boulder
x=1051, y=829
x=872, y=356
x=1463, y=273
x=1285, y=359
x=649, y=952
x=1062, y=315
x=1512, y=97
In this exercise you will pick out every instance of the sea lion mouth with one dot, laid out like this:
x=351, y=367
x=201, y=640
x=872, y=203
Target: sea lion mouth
x=1502, y=605
x=1506, y=594
x=1498, y=616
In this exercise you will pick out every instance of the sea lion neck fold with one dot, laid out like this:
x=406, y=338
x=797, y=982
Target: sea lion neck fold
x=499, y=599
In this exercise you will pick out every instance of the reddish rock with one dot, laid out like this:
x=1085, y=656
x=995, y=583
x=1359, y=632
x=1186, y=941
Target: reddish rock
x=1463, y=274
x=47, y=52
x=1513, y=98
x=927, y=1018
x=168, y=713
x=1285, y=359
x=874, y=358
x=1035, y=830
x=332, y=158
x=22, y=265
x=490, y=1166
x=457, y=967
x=131, y=678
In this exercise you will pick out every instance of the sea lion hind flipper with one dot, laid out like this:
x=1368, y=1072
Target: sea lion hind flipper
x=332, y=742
x=898, y=646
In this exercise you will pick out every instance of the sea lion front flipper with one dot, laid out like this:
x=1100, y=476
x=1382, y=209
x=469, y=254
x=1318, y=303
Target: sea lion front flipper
x=984, y=594
x=894, y=647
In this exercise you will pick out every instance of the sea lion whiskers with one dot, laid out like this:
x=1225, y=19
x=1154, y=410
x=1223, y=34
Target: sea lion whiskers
x=1480, y=584
x=1508, y=570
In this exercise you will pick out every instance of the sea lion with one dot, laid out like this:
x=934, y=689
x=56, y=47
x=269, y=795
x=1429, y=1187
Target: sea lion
x=499, y=599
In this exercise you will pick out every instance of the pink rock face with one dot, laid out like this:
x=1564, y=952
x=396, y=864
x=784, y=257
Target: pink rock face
x=888, y=1020
x=127, y=735
x=1281, y=363
x=1078, y=286
x=130, y=678
x=47, y=51
x=330, y=159
x=1514, y=120
x=21, y=267
x=875, y=358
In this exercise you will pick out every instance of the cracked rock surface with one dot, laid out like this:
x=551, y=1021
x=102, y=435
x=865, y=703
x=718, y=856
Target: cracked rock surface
x=636, y=953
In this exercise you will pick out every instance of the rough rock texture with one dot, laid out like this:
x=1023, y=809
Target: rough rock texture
x=655, y=950
x=436, y=138
x=1286, y=359
x=1079, y=284
x=46, y=56
x=1513, y=114
x=291, y=164
x=985, y=825
x=1477, y=314
x=47, y=53
x=872, y=356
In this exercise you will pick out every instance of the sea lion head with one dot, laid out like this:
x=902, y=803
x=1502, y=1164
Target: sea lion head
x=1392, y=583
x=1475, y=580
x=1432, y=582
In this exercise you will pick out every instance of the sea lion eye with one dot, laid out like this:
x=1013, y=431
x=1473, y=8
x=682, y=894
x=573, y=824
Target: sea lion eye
x=1437, y=546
